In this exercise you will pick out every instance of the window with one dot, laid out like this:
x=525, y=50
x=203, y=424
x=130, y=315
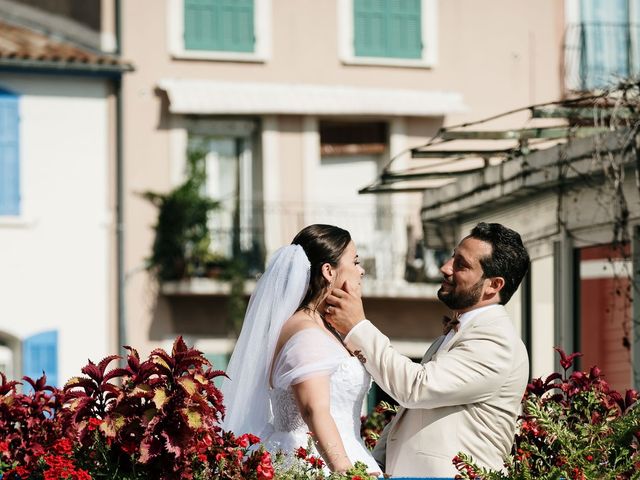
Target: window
x=391, y=32
x=9, y=155
x=236, y=30
x=602, y=40
x=387, y=28
x=231, y=179
x=223, y=25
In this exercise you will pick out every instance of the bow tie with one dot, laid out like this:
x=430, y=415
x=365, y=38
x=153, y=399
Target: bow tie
x=449, y=323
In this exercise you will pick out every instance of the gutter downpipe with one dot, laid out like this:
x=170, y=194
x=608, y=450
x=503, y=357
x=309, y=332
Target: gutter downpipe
x=121, y=315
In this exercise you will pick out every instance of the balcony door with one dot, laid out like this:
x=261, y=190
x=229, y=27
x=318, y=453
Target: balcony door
x=230, y=180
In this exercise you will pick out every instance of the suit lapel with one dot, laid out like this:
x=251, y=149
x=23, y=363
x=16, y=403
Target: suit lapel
x=433, y=349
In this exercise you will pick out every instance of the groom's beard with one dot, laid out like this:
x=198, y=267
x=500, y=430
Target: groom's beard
x=461, y=299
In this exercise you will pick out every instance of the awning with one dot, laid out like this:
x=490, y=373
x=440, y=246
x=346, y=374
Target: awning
x=188, y=96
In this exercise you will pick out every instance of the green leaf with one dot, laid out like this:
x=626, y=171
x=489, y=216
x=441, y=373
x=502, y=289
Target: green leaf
x=141, y=389
x=188, y=385
x=194, y=419
x=112, y=424
x=160, y=397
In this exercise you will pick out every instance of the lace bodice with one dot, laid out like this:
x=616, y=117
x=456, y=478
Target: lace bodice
x=310, y=353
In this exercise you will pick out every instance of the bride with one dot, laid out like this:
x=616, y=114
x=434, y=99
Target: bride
x=290, y=374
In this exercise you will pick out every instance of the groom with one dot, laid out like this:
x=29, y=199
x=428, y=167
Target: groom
x=465, y=395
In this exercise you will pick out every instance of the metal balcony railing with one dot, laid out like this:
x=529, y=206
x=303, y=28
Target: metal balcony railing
x=389, y=249
x=598, y=55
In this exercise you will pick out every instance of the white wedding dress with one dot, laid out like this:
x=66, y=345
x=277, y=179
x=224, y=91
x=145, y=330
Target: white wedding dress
x=271, y=413
x=308, y=353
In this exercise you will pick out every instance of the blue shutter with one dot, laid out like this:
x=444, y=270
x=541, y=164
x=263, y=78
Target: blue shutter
x=606, y=38
x=219, y=25
x=40, y=353
x=388, y=28
x=9, y=154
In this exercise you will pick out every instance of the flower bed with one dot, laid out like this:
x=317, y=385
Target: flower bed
x=160, y=419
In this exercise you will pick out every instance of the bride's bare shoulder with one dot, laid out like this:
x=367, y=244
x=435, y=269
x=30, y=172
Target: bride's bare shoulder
x=297, y=322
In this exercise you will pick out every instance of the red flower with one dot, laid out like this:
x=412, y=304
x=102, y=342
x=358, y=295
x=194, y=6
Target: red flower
x=315, y=462
x=356, y=477
x=243, y=441
x=301, y=453
x=94, y=423
x=63, y=447
x=265, y=469
x=4, y=447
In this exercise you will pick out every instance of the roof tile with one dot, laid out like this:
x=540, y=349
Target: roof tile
x=19, y=43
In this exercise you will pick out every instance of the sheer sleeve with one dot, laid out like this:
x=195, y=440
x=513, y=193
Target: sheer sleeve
x=308, y=353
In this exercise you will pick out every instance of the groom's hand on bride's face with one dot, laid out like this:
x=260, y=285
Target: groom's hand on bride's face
x=344, y=308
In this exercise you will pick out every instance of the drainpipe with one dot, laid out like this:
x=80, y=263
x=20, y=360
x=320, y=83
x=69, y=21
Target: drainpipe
x=122, y=334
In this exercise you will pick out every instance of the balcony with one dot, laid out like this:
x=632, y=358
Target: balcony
x=396, y=263
x=599, y=55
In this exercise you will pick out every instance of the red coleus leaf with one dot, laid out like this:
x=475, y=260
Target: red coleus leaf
x=567, y=360
x=179, y=346
x=92, y=370
x=163, y=361
x=149, y=449
x=7, y=387
x=133, y=359
x=102, y=366
x=85, y=383
x=211, y=374
x=117, y=373
x=552, y=377
x=630, y=397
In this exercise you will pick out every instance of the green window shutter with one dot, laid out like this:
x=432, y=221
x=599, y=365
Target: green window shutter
x=388, y=28
x=219, y=25
x=405, y=29
x=370, y=28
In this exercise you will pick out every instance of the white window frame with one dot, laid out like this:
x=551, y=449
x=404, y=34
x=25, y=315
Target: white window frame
x=262, y=27
x=429, y=39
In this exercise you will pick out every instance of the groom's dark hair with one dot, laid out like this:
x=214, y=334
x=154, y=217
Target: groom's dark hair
x=508, y=259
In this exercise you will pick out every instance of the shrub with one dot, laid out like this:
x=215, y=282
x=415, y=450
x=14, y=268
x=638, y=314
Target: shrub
x=157, y=418
x=572, y=426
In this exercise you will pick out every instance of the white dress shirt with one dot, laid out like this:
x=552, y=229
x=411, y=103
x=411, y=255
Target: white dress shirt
x=464, y=319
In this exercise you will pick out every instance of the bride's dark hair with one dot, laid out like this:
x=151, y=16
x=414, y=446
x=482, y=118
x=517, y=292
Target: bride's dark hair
x=322, y=244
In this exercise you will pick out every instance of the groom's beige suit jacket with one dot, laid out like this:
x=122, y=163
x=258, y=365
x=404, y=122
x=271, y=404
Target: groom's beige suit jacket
x=463, y=397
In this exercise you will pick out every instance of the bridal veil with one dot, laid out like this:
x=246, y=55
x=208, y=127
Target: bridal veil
x=276, y=298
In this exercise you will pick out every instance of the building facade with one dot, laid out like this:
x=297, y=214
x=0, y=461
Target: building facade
x=298, y=104
x=57, y=196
